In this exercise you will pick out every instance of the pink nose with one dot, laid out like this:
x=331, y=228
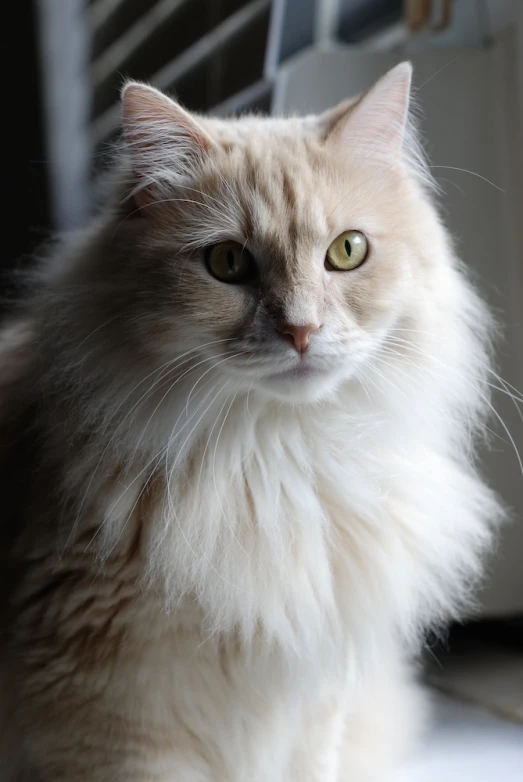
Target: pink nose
x=298, y=336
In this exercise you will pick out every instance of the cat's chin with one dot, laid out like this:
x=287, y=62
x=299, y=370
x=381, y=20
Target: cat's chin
x=302, y=385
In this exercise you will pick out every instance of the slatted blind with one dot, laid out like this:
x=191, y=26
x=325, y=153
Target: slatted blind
x=214, y=55
x=218, y=56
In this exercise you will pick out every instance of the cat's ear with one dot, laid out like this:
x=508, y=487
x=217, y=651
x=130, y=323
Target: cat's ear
x=165, y=142
x=378, y=120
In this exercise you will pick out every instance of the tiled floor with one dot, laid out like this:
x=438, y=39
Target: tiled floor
x=468, y=743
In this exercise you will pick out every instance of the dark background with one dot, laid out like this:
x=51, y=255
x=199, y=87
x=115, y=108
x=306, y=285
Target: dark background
x=26, y=220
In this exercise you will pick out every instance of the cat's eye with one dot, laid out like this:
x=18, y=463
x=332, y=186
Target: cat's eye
x=347, y=252
x=230, y=262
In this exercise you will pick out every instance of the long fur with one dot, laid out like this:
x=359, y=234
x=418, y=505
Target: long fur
x=223, y=572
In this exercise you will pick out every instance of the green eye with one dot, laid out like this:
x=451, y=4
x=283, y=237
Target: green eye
x=230, y=262
x=347, y=252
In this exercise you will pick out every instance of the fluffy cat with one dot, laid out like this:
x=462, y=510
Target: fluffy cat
x=239, y=421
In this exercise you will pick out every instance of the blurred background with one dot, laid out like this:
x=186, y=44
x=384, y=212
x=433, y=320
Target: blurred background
x=65, y=61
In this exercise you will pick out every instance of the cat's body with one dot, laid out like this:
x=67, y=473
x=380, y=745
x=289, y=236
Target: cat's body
x=227, y=554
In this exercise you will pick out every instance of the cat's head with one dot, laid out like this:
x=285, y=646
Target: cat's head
x=281, y=250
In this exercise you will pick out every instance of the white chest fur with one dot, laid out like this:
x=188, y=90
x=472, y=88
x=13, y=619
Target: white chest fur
x=313, y=526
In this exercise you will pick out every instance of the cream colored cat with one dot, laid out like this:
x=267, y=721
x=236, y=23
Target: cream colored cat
x=238, y=442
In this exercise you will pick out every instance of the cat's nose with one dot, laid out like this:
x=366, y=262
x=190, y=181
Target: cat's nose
x=298, y=336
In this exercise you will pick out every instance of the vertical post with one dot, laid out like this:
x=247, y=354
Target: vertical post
x=64, y=56
x=327, y=20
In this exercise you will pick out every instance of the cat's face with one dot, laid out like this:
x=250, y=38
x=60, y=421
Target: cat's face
x=288, y=246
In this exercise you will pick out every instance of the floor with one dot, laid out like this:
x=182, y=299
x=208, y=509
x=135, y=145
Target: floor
x=477, y=734
x=468, y=743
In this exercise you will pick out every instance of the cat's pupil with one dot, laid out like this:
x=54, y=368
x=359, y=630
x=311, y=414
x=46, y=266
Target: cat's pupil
x=230, y=260
x=348, y=248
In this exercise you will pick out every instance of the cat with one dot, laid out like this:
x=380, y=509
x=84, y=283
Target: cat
x=239, y=423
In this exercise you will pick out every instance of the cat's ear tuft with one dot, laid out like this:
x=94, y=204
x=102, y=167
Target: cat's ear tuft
x=377, y=122
x=165, y=142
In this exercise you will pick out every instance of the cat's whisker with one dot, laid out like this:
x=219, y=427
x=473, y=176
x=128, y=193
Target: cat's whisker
x=230, y=356
x=171, y=365
x=229, y=189
x=172, y=507
x=202, y=193
x=202, y=462
x=148, y=480
x=93, y=472
x=485, y=366
x=434, y=75
x=450, y=182
x=181, y=449
x=485, y=399
x=504, y=388
x=360, y=369
x=387, y=380
x=363, y=379
x=170, y=200
x=193, y=391
x=247, y=409
x=95, y=331
x=213, y=471
x=507, y=431
x=136, y=478
x=473, y=173
x=177, y=431
x=401, y=358
x=169, y=390
x=471, y=426
x=157, y=457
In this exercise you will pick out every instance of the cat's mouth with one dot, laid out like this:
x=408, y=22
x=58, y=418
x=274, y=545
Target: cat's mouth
x=298, y=372
x=308, y=378
x=306, y=381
